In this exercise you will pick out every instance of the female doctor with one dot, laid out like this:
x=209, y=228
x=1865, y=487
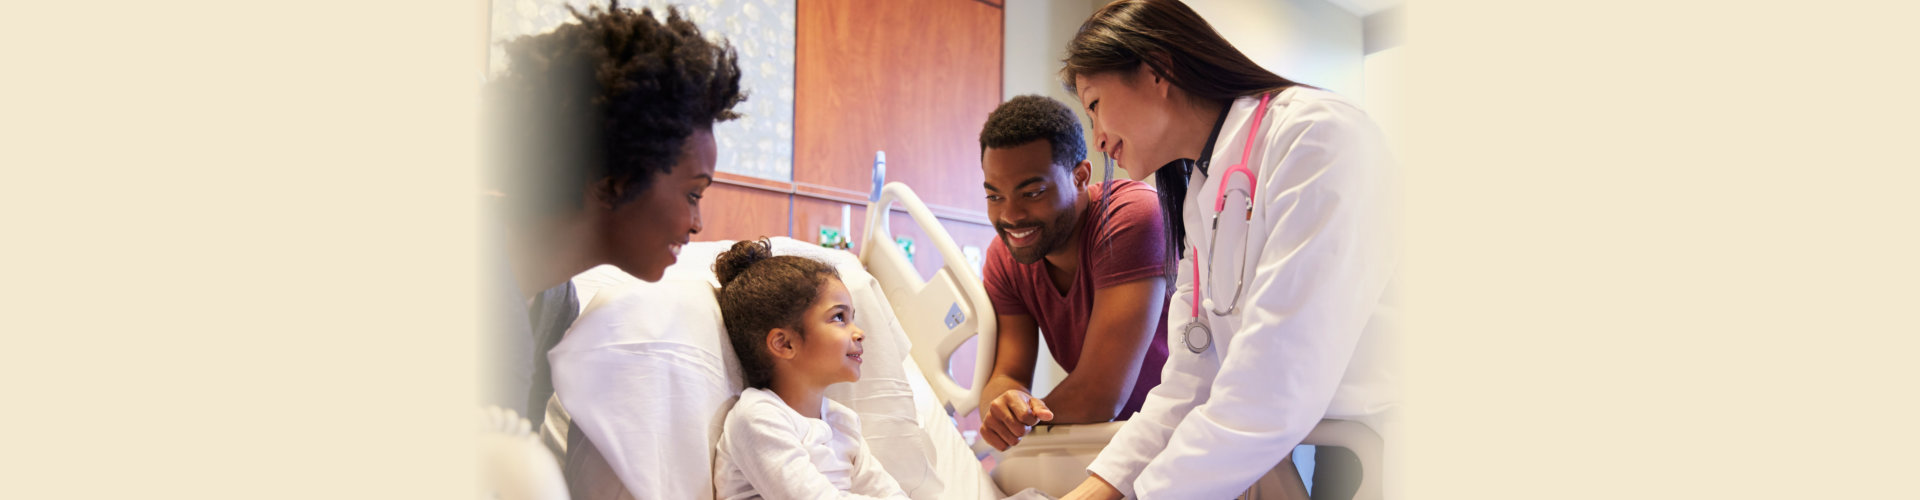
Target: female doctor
x=1278, y=196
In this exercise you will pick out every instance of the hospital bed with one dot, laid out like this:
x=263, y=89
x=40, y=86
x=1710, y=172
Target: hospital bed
x=907, y=397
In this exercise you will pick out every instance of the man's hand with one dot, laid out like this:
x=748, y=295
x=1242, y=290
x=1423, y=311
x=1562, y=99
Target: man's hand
x=1008, y=418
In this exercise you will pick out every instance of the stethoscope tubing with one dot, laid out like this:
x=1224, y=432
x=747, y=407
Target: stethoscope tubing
x=1220, y=204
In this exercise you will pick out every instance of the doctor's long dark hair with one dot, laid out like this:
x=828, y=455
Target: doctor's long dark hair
x=1178, y=45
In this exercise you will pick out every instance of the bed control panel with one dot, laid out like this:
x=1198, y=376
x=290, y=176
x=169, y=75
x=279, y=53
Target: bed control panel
x=955, y=317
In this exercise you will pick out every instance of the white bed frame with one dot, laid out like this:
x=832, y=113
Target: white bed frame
x=939, y=314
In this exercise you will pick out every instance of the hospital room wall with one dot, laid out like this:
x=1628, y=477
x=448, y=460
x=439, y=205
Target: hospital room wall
x=1037, y=35
x=876, y=76
x=1309, y=41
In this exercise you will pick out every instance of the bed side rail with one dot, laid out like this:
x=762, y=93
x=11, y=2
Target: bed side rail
x=939, y=314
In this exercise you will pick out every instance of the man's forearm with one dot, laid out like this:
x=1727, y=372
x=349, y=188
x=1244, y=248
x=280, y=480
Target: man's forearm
x=1073, y=405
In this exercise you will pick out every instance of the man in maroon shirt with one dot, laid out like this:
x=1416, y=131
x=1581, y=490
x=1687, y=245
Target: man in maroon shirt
x=1083, y=265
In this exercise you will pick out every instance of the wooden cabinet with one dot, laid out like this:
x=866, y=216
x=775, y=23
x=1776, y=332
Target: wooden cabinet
x=914, y=78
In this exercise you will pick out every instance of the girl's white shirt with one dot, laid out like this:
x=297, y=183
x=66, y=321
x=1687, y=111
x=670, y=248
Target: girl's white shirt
x=768, y=450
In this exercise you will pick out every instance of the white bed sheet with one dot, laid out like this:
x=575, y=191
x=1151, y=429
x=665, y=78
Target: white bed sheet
x=664, y=340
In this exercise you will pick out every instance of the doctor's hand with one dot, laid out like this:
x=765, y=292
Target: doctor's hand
x=1008, y=418
x=1094, y=488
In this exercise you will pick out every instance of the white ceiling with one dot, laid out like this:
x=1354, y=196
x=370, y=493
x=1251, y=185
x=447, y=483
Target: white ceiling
x=1364, y=8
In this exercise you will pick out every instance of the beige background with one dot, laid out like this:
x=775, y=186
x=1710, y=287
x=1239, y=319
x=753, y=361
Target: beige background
x=1656, y=249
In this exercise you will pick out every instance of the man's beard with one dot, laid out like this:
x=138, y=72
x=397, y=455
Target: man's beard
x=1057, y=234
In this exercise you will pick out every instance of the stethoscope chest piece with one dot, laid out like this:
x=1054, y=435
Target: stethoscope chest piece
x=1197, y=337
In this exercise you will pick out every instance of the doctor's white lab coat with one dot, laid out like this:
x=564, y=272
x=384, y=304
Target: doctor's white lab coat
x=1310, y=336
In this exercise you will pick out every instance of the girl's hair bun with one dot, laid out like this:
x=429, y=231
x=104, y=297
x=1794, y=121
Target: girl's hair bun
x=743, y=255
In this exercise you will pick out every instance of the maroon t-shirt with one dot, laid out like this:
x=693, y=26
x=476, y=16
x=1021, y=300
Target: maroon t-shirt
x=1129, y=246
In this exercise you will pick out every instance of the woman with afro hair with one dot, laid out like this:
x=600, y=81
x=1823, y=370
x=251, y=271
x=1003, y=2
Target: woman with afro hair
x=600, y=145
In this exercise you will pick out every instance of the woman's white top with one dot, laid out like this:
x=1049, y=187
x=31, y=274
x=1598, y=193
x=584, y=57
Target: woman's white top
x=1308, y=339
x=768, y=450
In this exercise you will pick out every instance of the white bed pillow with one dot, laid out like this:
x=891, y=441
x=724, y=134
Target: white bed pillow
x=647, y=362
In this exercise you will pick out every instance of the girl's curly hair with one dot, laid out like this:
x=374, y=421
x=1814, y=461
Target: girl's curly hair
x=760, y=292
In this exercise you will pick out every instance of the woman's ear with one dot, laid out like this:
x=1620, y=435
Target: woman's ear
x=601, y=193
x=781, y=343
x=1159, y=82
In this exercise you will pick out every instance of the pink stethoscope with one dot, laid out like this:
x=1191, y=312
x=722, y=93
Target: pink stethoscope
x=1204, y=339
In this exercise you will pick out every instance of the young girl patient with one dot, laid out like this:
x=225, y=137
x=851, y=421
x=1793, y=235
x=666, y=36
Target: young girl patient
x=791, y=322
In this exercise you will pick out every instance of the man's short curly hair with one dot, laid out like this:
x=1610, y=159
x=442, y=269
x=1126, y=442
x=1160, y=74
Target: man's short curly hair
x=1029, y=118
x=608, y=101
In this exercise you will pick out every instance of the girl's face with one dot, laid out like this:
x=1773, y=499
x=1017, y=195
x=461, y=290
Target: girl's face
x=829, y=352
x=1129, y=111
x=644, y=236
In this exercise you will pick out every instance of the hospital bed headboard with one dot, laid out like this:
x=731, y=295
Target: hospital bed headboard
x=946, y=309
